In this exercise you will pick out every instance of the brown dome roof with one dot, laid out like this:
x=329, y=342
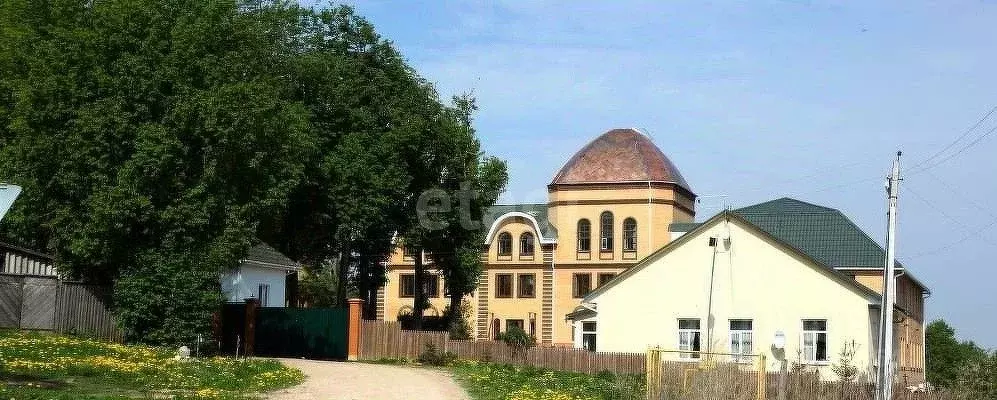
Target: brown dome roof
x=620, y=155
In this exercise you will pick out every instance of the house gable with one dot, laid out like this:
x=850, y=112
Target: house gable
x=756, y=278
x=727, y=217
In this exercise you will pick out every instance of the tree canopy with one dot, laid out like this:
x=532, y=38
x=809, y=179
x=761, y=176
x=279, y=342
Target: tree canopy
x=156, y=140
x=946, y=356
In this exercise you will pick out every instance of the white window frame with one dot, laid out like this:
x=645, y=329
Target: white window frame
x=591, y=332
x=263, y=291
x=742, y=341
x=688, y=335
x=809, y=355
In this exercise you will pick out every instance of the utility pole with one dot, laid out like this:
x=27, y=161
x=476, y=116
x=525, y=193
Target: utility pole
x=884, y=378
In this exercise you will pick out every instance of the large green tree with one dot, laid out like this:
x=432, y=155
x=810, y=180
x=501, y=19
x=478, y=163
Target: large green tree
x=156, y=138
x=946, y=356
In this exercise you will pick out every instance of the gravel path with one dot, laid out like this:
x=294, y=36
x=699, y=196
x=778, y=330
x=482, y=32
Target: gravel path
x=330, y=380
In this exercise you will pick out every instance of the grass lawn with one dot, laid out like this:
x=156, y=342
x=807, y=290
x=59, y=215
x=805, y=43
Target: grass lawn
x=485, y=381
x=36, y=366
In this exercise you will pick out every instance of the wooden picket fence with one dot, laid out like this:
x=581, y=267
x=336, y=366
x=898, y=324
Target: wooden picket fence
x=46, y=303
x=385, y=339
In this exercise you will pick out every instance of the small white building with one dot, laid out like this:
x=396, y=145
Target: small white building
x=737, y=281
x=262, y=275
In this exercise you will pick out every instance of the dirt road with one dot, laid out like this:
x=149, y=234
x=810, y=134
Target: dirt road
x=329, y=380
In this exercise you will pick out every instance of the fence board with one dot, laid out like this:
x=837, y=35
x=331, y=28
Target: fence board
x=38, y=300
x=48, y=304
x=385, y=339
x=10, y=305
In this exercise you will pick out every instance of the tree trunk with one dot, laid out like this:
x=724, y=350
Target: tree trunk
x=341, y=271
x=420, y=294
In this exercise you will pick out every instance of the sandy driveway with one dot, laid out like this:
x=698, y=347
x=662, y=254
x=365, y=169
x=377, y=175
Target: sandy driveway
x=329, y=380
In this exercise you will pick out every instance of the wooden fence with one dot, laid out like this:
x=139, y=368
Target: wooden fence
x=18, y=261
x=49, y=304
x=380, y=339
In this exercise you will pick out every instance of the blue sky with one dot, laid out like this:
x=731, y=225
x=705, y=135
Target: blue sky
x=752, y=101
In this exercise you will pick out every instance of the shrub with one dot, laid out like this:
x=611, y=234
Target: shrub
x=978, y=379
x=433, y=356
x=518, y=339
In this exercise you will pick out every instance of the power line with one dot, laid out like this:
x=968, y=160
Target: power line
x=958, y=193
x=968, y=236
x=957, y=140
x=964, y=148
x=968, y=230
x=968, y=199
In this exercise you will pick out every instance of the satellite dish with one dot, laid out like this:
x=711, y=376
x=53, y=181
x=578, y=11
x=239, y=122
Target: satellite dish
x=8, y=193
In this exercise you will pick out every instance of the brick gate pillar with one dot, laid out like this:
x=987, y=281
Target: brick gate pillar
x=249, y=333
x=353, y=329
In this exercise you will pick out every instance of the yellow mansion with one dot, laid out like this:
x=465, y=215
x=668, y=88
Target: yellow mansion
x=608, y=207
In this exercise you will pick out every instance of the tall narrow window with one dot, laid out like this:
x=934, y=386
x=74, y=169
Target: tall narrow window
x=630, y=234
x=496, y=332
x=581, y=285
x=527, y=285
x=526, y=244
x=814, y=340
x=584, y=235
x=503, y=285
x=606, y=231
x=505, y=244
x=689, y=338
x=740, y=339
x=264, y=294
x=406, y=285
x=588, y=336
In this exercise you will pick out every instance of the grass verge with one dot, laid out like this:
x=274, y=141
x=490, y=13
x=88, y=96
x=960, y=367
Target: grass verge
x=36, y=366
x=486, y=381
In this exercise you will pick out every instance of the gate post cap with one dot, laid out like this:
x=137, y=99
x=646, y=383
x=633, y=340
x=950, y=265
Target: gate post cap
x=355, y=301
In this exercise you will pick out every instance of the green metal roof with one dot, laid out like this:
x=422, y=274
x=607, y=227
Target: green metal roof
x=682, y=226
x=263, y=253
x=823, y=233
x=537, y=211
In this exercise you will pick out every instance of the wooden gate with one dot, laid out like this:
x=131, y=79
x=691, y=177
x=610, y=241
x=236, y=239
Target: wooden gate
x=46, y=303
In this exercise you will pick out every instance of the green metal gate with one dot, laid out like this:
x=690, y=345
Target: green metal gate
x=317, y=333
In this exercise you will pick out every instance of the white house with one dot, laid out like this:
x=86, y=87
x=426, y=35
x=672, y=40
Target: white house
x=261, y=275
x=730, y=284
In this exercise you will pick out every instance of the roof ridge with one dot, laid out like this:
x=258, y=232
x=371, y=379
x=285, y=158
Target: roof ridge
x=786, y=199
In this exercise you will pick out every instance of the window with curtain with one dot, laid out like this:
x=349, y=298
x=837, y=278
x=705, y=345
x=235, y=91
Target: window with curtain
x=689, y=338
x=814, y=341
x=740, y=339
x=584, y=235
x=606, y=231
x=630, y=234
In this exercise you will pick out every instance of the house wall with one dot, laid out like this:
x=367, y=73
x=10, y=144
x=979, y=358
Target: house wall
x=555, y=264
x=652, y=209
x=243, y=283
x=756, y=279
x=909, y=324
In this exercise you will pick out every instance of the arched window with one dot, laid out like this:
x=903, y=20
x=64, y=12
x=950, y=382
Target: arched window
x=630, y=234
x=526, y=244
x=584, y=235
x=505, y=244
x=606, y=231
